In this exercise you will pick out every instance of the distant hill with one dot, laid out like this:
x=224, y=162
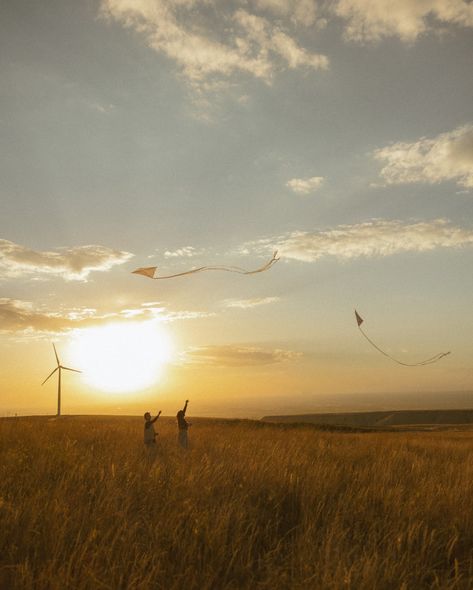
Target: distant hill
x=385, y=419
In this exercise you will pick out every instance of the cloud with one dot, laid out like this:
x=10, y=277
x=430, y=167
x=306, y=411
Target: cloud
x=105, y=109
x=449, y=156
x=22, y=317
x=267, y=38
x=304, y=186
x=300, y=12
x=372, y=20
x=69, y=263
x=372, y=238
x=185, y=252
x=210, y=42
x=249, y=303
x=162, y=313
x=239, y=356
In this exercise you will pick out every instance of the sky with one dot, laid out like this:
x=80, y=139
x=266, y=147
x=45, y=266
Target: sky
x=184, y=133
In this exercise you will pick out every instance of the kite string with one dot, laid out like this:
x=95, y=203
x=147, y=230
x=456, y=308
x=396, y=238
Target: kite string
x=377, y=347
x=428, y=361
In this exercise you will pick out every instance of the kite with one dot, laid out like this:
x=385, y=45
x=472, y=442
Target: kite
x=429, y=361
x=150, y=271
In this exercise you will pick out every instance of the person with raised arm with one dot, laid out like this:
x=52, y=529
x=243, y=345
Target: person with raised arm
x=150, y=433
x=183, y=426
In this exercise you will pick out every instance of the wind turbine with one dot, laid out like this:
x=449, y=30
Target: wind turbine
x=59, y=368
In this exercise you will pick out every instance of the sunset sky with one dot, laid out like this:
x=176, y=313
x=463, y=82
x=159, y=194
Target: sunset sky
x=181, y=133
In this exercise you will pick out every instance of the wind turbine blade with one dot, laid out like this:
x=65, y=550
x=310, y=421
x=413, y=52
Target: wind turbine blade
x=50, y=375
x=69, y=369
x=57, y=358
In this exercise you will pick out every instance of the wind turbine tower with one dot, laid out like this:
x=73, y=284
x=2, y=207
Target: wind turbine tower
x=58, y=368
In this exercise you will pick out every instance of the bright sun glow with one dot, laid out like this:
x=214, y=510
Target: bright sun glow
x=121, y=357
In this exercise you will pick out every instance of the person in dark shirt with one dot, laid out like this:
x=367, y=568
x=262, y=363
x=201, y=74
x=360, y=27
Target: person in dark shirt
x=183, y=426
x=149, y=432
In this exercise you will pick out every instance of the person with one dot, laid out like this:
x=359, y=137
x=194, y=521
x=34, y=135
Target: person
x=150, y=433
x=183, y=426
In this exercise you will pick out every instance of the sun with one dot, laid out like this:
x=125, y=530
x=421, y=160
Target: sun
x=121, y=357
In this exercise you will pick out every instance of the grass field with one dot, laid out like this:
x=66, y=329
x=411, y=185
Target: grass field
x=249, y=506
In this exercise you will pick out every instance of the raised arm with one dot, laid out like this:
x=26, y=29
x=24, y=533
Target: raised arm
x=154, y=419
x=185, y=407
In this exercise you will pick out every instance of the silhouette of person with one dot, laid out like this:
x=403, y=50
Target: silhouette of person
x=149, y=432
x=183, y=426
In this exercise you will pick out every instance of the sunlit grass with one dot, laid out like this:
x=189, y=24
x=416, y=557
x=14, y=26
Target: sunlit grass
x=246, y=507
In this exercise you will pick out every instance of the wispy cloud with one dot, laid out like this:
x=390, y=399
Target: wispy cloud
x=300, y=12
x=238, y=356
x=372, y=238
x=23, y=317
x=184, y=252
x=448, y=156
x=71, y=264
x=305, y=186
x=162, y=313
x=103, y=108
x=210, y=42
x=372, y=20
x=249, y=303
x=20, y=316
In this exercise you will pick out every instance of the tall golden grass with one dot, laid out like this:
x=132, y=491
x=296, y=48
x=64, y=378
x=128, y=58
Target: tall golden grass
x=246, y=507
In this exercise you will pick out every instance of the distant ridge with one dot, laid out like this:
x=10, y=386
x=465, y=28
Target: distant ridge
x=384, y=419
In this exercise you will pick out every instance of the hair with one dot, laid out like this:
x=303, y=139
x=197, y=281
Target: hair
x=146, y=414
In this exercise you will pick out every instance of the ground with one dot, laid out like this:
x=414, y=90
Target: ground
x=248, y=506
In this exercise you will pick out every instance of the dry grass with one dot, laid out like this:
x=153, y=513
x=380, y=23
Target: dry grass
x=246, y=507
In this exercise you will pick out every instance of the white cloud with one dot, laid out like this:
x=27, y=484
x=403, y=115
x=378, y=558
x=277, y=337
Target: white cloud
x=372, y=238
x=372, y=20
x=237, y=356
x=449, y=156
x=304, y=186
x=249, y=303
x=209, y=42
x=185, y=252
x=74, y=263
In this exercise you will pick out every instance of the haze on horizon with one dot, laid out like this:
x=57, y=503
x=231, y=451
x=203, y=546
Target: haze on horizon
x=180, y=133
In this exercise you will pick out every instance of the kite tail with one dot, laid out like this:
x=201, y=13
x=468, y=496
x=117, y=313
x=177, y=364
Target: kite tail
x=150, y=272
x=266, y=266
x=435, y=358
x=428, y=361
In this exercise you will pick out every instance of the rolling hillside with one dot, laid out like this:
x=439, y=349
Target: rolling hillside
x=385, y=419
